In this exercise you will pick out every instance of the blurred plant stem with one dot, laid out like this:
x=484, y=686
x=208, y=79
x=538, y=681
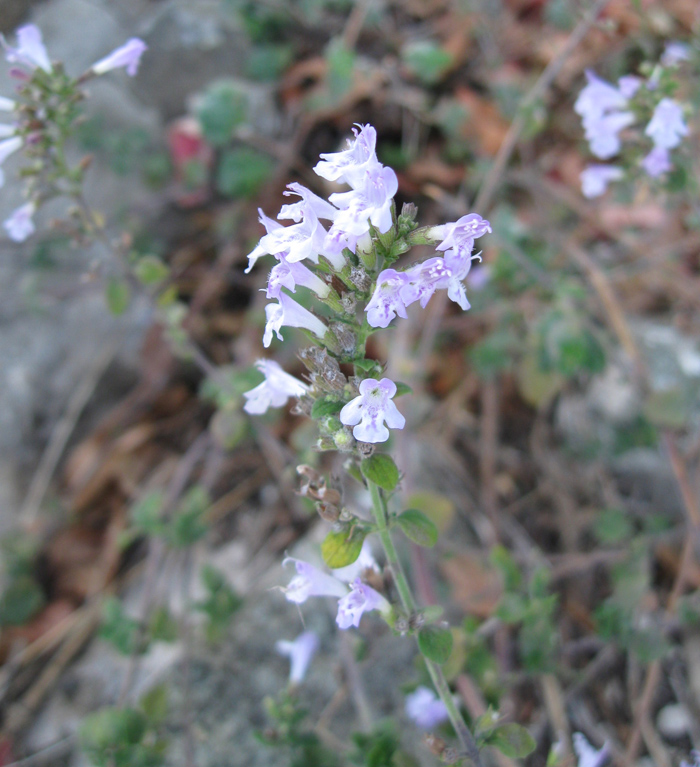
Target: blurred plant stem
x=379, y=510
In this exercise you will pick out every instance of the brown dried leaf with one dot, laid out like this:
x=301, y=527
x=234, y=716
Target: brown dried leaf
x=476, y=585
x=484, y=123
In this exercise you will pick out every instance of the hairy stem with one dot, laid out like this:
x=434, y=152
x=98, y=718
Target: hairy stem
x=408, y=602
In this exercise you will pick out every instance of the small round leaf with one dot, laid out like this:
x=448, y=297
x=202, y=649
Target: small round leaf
x=435, y=642
x=381, y=469
x=418, y=528
x=342, y=548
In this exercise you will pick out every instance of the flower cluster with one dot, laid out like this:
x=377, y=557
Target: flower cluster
x=40, y=82
x=355, y=597
x=347, y=264
x=606, y=110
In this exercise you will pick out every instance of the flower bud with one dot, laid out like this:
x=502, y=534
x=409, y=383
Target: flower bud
x=366, y=252
x=330, y=424
x=343, y=440
x=346, y=338
x=360, y=279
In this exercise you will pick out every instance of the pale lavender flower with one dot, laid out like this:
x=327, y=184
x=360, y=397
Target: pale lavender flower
x=274, y=391
x=370, y=201
x=424, y=279
x=629, y=85
x=349, y=166
x=667, y=127
x=364, y=562
x=7, y=147
x=19, y=225
x=602, y=133
x=270, y=226
x=361, y=599
x=597, y=98
x=386, y=302
x=368, y=412
x=458, y=263
x=587, y=755
x=311, y=582
x=30, y=50
x=289, y=275
x=7, y=105
x=695, y=757
x=674, y=53
x=595, y=179
x=291, y=314
x=299, y=241
x=300, y=653
x=460, y=234
x=309, y=201
x=127, y=56
x=657, y=162
x=425, y=709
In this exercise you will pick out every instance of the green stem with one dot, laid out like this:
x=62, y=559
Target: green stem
x=379, y=509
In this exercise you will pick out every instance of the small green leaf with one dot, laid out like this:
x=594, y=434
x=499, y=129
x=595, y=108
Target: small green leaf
x=119, y=629
x=188, y=525
x=145, y=514
x=221, y=109
x=323, y=407
x=342, y=548
x=512, y=740
x=613, y=526
x=418, y=528
x=162, y=627
x=402, y=388
x=117, y=294
x=381, y=469
x=370, y=367
x=150, y=270
x=242, y=172
x=435, y=642
x=154, y=703
x=439, y=509
x=426, y=60
x=21, y=600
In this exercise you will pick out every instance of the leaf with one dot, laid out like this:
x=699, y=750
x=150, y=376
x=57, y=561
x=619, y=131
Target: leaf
x=117, y=295
x=613, y=526
x=162, y=627
x=342, y=548
x=21, y=600
x=438, y=508
x=242, y=172
x=418, y=528
x=512, y=740
x=154, y=703
x=188, y=524
x=150, y=270
x=402, y=388
x=435, y=642
x=381, y=469
x=323, y=407
x=119, y=629
x=145, y=514
x=222, y=108
x=426, y=60
x=371, y=367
